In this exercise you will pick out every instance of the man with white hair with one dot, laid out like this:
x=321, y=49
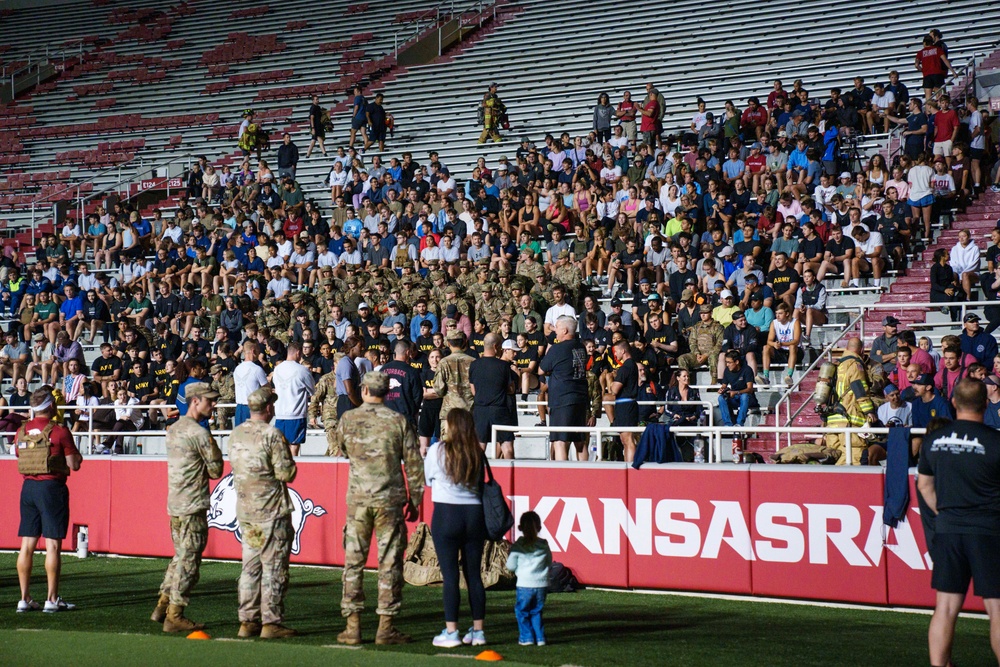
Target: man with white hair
x=565, y=366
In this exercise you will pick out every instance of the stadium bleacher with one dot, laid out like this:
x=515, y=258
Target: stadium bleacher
x=216, y=61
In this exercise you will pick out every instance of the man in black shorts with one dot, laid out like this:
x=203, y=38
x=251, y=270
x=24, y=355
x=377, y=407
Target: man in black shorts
x=960, y=482
x=493, y=384
x=837, y=258
x=625, y=388
x=45, y=456
x=565, y=366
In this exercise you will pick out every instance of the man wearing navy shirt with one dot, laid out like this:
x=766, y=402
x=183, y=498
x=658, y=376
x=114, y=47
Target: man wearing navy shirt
x=959, y=480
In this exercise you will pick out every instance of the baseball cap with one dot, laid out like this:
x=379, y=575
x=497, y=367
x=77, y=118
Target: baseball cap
x=845, y=174
x=924, y=379
x=691, y=281
x=363, y=305
x=687, y=294
x=451, y=310
x=889, y=388
x=756, y=296
x=890, y=321
x=726, y=252
x=726, y=294
x=653, y=296
x=971, y=317
x=509, y=345
x=616, y=303
x=391, y=304
x=261, y=398
x=992, y=380
x=200, y=390
x=376, y=382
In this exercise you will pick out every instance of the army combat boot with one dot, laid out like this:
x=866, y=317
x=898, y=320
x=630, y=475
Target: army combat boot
x=352, y=633
x=388, y=634
x=249, y=629
x=176, y=622
x=160, y=613
x=276, y=631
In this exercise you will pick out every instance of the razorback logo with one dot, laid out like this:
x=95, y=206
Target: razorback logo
x=685, y=528
x=222, y=513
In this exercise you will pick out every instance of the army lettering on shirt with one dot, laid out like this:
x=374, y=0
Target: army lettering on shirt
x=524, y=358
x=102, y=366
x=419, y=362
x=476, y=342
x=425, y=344
x=140, y=387
x=781, y=280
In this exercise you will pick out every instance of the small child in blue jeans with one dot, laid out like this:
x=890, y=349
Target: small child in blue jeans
x=530, y=559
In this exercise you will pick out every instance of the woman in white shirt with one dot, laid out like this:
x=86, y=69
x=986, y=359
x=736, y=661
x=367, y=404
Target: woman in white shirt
x=921, y=198
x=210, y=183
x=127, y=420
x=453, y=470
x=430, y=253
x=670, y=199
x=965, y=261
x=450, y=254
x=338, y=180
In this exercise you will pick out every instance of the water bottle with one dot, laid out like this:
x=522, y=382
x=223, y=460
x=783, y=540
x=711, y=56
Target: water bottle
x=82, y=543
x=699, y=450
x=594, y=450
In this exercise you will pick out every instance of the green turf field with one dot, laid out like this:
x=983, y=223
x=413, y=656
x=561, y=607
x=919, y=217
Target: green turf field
x=115, y=596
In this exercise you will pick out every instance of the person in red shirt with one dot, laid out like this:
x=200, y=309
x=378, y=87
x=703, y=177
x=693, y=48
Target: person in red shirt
x=754, y=118
x=650, y=113
x=45, y=501
x=932, y=61
x=946, y=124
x=777, y=96
x=626, y=116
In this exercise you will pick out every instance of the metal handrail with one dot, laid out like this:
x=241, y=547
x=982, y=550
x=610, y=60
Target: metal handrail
x=38, y=61
x=714, y=435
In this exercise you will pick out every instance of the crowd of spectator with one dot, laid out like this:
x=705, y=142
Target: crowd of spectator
x=712, y=246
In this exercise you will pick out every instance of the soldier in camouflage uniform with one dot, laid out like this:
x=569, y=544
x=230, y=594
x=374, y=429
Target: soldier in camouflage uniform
x=324, y=404
x=528, y=267
x=705, y=343
x=493, y=307
x=466, y=278
x=541, y=293
x=379, y=443
x=193, y=457
x=569, y=275
x=222, y=382
x=451, y=381
x=262, y=464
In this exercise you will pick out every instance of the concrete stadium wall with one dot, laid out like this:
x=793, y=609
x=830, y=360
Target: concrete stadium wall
x=794, y=532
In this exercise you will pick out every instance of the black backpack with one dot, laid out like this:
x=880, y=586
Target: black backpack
x=496, y=511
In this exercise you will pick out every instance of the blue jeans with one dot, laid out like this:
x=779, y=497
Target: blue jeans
x=742, y=402
x=528, y=603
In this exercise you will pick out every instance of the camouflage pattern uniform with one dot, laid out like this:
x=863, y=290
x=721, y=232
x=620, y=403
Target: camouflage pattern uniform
x=262, y=467
x=378, y=442
x=570, y=277
x=213, y=305
x=193, y=457
x=324, y=404
x=705, y=338
x=227, y=394
x=451, y=382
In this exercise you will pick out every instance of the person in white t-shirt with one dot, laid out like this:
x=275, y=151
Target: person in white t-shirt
x=279, y=285
x=248, y=378
x=869, y=255
x=921, y=196
x=557, y=309
x=894, y=412
x=294, y=385
x=965, y=257
x=883, y=103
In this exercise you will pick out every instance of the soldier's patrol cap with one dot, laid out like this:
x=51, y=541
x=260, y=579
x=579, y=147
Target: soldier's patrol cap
x=377, y=382
x=563, y=254
x=267, y=303
x=407, y=264
x=260, y=399
x=486, y=288
x=463, y=263
x=503, y=271
x=380, y=281
x=216, y=368
x=351, y=268
x=201, y=390
x=705, y=308
x=297, y=296
x=687, y=294
x=451, y=289
x=456, y=336
x=437, y=275
x=326, y=281
x=407, y=280
x=483, y=261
